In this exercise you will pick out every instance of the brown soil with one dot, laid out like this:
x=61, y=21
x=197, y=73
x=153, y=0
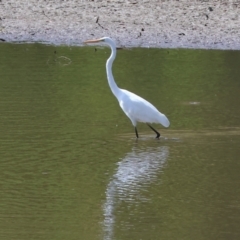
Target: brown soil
x=132, y=23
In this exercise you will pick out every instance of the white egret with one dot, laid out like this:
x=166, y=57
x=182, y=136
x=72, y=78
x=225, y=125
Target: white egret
x=135, y=107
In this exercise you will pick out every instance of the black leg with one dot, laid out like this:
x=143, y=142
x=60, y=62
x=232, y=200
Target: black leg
x=136, y=132
x=158, y=134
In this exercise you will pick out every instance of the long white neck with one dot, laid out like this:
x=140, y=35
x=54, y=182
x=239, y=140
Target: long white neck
x=115, y=89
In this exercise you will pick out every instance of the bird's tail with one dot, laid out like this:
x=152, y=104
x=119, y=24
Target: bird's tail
x=164, y=120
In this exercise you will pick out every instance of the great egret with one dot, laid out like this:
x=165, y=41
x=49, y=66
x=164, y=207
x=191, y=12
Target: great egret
x=135, y=107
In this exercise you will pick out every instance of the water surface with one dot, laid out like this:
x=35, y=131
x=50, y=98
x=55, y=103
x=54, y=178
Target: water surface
x=71, y=167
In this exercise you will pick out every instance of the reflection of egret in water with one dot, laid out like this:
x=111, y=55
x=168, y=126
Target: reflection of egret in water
x=138, y=169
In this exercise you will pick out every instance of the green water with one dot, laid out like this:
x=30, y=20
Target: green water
x=71, y=168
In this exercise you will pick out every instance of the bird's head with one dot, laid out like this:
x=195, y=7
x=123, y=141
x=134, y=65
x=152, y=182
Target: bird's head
x=104, y=39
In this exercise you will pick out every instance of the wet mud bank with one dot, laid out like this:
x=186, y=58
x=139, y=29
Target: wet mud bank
x=209, y=24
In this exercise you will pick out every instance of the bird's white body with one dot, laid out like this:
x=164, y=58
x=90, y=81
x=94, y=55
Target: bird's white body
x=135, y=107
x=140, y=110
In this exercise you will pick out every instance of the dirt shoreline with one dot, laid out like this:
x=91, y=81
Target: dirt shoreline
x=208, y=24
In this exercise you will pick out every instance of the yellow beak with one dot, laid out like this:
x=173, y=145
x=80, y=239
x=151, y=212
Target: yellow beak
x=93, y=41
